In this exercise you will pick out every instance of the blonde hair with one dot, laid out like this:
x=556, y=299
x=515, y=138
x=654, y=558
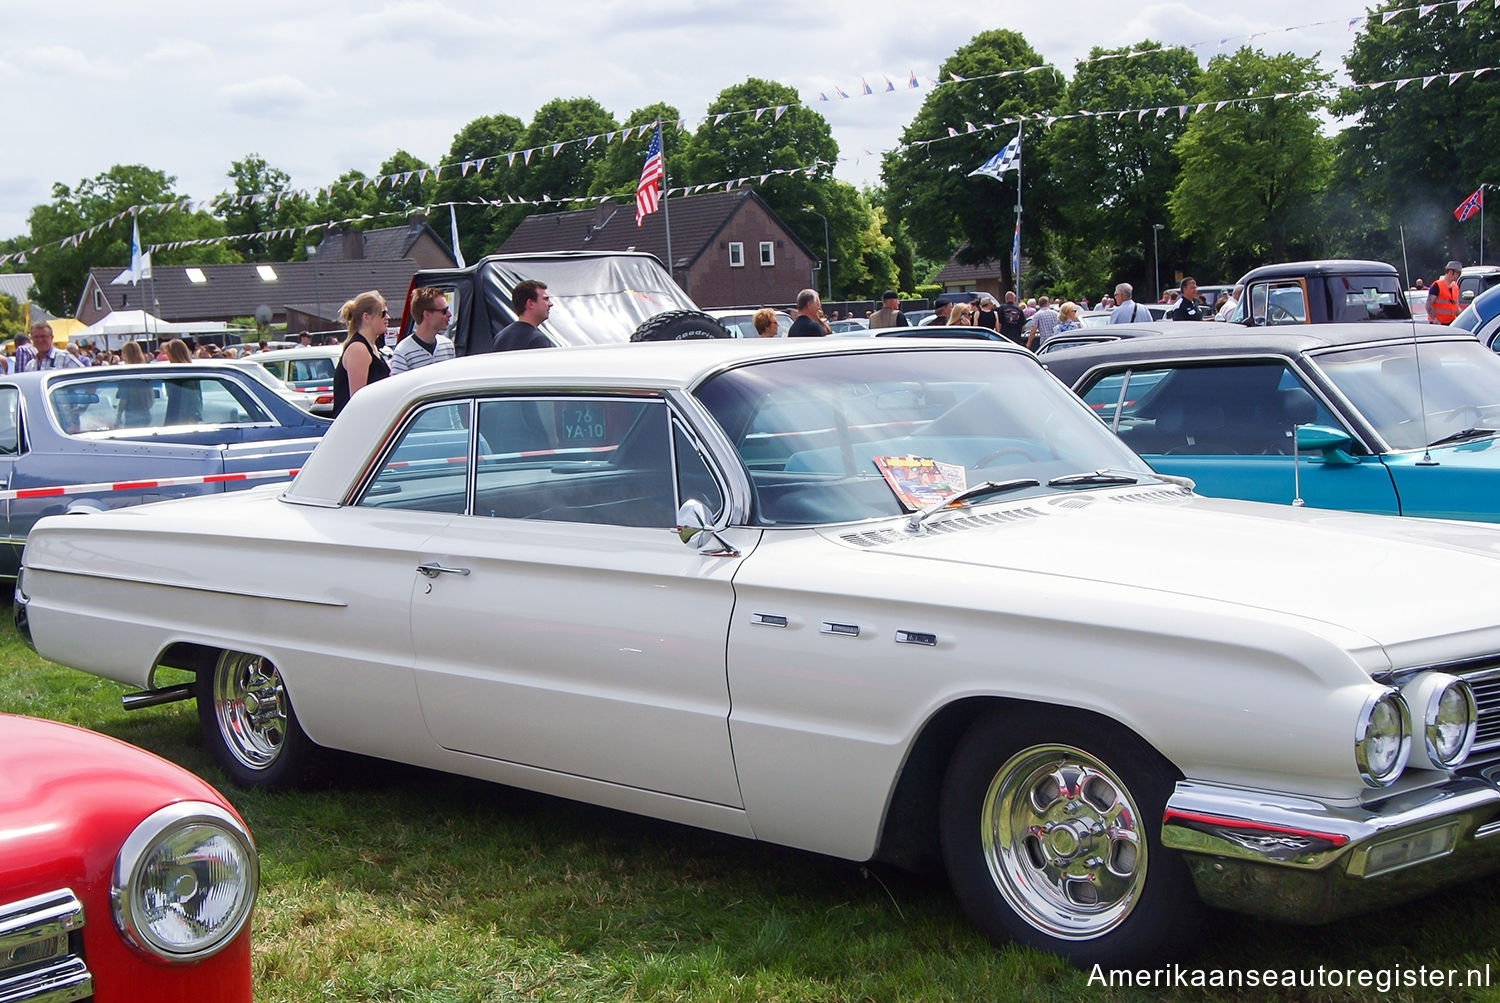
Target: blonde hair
x=133, y=354
x=961, y=315
x=1068, y=311
x=353, y=311
x=177, y=351
x=764, y=320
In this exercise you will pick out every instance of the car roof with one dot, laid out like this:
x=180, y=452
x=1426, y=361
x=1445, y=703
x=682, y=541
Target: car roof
x=1165, y=341
x=295, y=352
x=664, y=366
x=1328, y=266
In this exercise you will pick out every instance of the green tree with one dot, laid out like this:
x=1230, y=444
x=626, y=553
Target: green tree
x=1110, y=175
x=13, y=319
x=559, y=167
x=927, y=184
x=1408, y=156
x=61, y=271
x=481, y=228
x=1253, y=172
x=732, y=142
x=261, y=209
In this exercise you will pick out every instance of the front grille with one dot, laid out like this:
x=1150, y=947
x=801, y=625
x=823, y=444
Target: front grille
x=1486, y=683
x=40, y=950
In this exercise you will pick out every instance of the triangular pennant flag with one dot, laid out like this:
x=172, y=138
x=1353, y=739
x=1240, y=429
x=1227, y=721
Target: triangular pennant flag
x=1483, y=69
x=952, y=132
x=840, y=92
x=1452, y=77
x=822, y=96
x=1140, y=116
x=1160, y=112
x=1181, y=112
x=645, y=129
x=780, y=111
x=864, y=85
x=590, y=144
x=526, y=156
x=1427, y=8
x=955, y=76
x=1200, y=106
x=1385, y=18
x=970, y=127
x=1462, y=6
x=1427, y=80
x=720, y=117
x=510, y=159
x=556, y=147
x=888, y=85
x=759, y=112
x=1403, y=82
x=1220, y=106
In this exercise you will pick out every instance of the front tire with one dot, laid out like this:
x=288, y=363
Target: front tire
x=249, y=725
x=1051, y=832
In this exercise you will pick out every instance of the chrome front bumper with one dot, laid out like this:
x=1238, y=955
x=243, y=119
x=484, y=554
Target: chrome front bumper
x=1303, y=861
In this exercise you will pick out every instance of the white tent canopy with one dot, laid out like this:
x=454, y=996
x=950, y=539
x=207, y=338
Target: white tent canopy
x=119, y=326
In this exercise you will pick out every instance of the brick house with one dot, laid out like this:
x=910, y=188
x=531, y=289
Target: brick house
x=729, y=248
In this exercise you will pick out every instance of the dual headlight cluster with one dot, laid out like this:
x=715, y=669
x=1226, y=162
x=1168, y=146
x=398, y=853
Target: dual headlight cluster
x=1444, y=710
x=185, y=882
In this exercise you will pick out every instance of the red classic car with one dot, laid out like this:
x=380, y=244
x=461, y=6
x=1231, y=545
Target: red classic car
x=122, y=876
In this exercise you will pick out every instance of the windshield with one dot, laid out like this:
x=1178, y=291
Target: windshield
x=860, y=436
x=1458, y=382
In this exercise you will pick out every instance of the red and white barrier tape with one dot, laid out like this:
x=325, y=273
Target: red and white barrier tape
x=163, y=482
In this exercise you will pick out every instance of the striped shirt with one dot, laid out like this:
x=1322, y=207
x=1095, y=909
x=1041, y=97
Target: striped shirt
x=414, y=353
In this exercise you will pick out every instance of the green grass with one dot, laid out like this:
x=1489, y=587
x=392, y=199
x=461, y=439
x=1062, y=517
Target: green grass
x=400, y=884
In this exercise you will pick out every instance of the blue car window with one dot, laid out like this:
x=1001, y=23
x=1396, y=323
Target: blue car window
x=10, y=421
x=1241, y=409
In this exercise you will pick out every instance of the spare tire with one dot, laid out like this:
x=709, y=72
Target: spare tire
x=679, y=325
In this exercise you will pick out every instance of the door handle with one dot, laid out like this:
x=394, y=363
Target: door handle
x=434, y=569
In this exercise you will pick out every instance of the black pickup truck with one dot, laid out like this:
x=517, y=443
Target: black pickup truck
x=1320, y=292
x=597, y=297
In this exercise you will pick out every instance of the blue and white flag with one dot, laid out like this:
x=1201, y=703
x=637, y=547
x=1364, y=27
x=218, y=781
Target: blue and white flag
x=1007, y=159
x=458, y=255
x=137, y=269
x=1015, y=254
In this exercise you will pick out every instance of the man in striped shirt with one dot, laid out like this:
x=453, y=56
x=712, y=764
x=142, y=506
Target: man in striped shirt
x=427, y=343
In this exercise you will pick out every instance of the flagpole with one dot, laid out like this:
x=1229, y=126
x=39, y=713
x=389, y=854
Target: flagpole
x=1019, y=127
x=666, y=215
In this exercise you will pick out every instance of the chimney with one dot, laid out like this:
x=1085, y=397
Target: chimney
x=416, y=220
x=354, y=245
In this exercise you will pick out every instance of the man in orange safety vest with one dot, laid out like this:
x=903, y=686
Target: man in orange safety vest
x=1443, y=303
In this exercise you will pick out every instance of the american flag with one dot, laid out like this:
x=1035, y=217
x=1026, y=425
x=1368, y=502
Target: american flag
x=1470, y=205
x=648, y=191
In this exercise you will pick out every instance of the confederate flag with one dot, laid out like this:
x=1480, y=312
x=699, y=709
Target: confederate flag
x=1470, y=205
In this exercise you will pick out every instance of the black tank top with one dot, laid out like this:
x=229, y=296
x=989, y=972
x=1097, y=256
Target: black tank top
x=379, y=370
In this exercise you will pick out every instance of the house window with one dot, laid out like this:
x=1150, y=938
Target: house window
x=98, y=299
x=767, y=253
x=736, y=254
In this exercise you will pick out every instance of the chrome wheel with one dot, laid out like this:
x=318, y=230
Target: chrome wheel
x=1062, y=838
x=250, y=708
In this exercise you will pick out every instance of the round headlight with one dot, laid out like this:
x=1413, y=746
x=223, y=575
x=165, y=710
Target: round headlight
x=1449, y=719
x=185, y=881
x=1382, y=738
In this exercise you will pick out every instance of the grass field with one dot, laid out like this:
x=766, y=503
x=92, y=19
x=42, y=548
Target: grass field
x=399, y=884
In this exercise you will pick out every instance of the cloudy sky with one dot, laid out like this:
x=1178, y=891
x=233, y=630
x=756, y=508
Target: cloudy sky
x=317, y=87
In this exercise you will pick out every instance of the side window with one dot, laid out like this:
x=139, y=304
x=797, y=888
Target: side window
x=1246, y=409
x=427, y=470
x=694, y=478
x=10, y=421
x=576, y=459
x=736, y=254
x=767, y=253
x=1278, y=303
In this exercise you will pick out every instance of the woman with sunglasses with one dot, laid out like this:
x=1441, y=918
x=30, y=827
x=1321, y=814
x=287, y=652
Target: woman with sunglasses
x=360, y=363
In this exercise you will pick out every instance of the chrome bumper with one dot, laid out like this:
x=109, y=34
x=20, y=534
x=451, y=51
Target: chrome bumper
x=1302, y=861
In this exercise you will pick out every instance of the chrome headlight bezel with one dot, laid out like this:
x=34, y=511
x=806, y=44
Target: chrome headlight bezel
x=1388, y=706
x=1425, y=694
x=131, y=913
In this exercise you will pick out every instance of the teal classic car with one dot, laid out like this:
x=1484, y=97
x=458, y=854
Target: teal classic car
x=1386, y=419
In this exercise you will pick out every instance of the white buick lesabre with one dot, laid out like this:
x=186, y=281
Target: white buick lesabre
x=907, y=601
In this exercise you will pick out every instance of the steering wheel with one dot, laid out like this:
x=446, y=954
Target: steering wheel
x=1471, y=416
x=1005, y=451
x=1278, y=314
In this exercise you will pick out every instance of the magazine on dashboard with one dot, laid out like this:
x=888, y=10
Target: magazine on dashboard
x=920, y=481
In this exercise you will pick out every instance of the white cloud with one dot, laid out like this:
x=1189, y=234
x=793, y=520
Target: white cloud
x=178, y=52
x=269, y=97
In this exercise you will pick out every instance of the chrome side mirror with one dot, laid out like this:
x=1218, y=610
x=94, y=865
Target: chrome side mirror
x=695, y=528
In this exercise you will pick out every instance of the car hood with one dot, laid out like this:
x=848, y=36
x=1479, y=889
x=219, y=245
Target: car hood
x=1391, y=580
x=68, y=799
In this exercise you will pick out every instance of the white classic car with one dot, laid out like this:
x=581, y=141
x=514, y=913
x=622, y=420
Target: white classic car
x=899, y=599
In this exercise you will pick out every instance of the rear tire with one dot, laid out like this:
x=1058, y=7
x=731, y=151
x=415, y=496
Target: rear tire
x=249, y=725
x=680, y=325
x=1051, y=832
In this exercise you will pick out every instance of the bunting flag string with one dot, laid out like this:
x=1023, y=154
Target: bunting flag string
x=73, y=240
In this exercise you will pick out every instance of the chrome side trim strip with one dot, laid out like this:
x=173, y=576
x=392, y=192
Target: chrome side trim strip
x=916, y=637
x=302, y=600
x=841, y=629
x=768, y=619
